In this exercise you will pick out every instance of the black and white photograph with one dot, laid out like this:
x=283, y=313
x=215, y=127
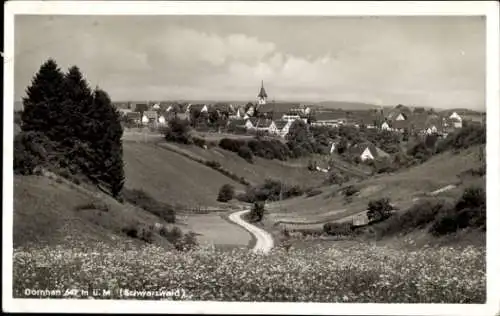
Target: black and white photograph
x=246, y=157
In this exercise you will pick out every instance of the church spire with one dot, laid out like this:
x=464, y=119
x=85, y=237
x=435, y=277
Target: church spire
x=262, y=93
x=262, y=96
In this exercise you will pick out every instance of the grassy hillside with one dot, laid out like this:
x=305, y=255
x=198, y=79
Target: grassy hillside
x=293, y=172
x=401, y=188
x=51, y=212
x=170, y=177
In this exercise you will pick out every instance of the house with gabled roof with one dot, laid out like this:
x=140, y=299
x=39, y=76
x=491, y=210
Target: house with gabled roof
x=283, y=127
x=141, y=107
x=367, y=151
x=151, y=116
x=400, y=126
x=134, y=117
x=385, y=126
x=260, y=124
x=222, y=107
x=203, y=108
x=277, y=107
x=238, y=125
x=456, y=120
x=290, y=117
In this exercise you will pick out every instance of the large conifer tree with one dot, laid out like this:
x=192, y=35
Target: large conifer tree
x=43, y=107
x=78, y=102
x=82, y=128
x=107, y=142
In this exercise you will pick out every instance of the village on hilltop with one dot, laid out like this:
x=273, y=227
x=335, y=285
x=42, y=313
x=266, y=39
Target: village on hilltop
x=274, y=119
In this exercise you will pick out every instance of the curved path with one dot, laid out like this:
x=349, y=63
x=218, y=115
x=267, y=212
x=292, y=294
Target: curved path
x=264, y=239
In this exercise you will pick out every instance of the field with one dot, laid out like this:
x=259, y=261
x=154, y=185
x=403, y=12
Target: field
x=214, y=229
x=292, y=172
x=170, y=177
x=357, y=273
x=401, y=188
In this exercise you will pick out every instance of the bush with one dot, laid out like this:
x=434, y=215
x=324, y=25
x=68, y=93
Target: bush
x=213, y=164
x=313, y=192
x=187, y=242
x=245, y=153
x=146, y=235
x=379, y=210
x=131, y=230
x=231, y=144
x=439, y=216
x=226, y=193
x=32, y=150
x=178, y=131
x=173, y=235
x=200, y=142
x=338, y=229
x=418, y=216
x=336, y=178
x=350, y=191
x=149, y=204
x=469, y=211
x=465, y=137
x=94, y=205
x=257, y=212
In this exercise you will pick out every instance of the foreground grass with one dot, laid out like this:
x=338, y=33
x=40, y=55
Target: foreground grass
x=318, y=274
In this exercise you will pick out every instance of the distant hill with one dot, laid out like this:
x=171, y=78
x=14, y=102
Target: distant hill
x=462, y=111
x=346, y=105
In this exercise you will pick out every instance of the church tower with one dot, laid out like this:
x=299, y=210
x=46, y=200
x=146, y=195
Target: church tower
x=262, y=97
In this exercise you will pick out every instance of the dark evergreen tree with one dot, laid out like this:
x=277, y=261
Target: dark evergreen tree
x=106, y=143
x=44, y=104
x=78, y=103
x=67, y=126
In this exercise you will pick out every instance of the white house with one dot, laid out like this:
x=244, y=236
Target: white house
x=385, y=126
x=400, y=117
x=332, y=148
x=369, y=151
x=156, y=106
x=456, y=119
x=455, y=116
x=248, y=124
x=151, y=115
x=329, y=123
x=366, y=154
x=292, y=117
x=431, y=130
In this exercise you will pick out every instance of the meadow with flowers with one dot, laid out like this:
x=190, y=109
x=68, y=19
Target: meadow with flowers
x=361, y=273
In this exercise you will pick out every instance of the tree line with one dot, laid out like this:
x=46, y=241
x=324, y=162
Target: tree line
x=69, y=128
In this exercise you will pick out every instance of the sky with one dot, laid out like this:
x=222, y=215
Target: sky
x=417, y=61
